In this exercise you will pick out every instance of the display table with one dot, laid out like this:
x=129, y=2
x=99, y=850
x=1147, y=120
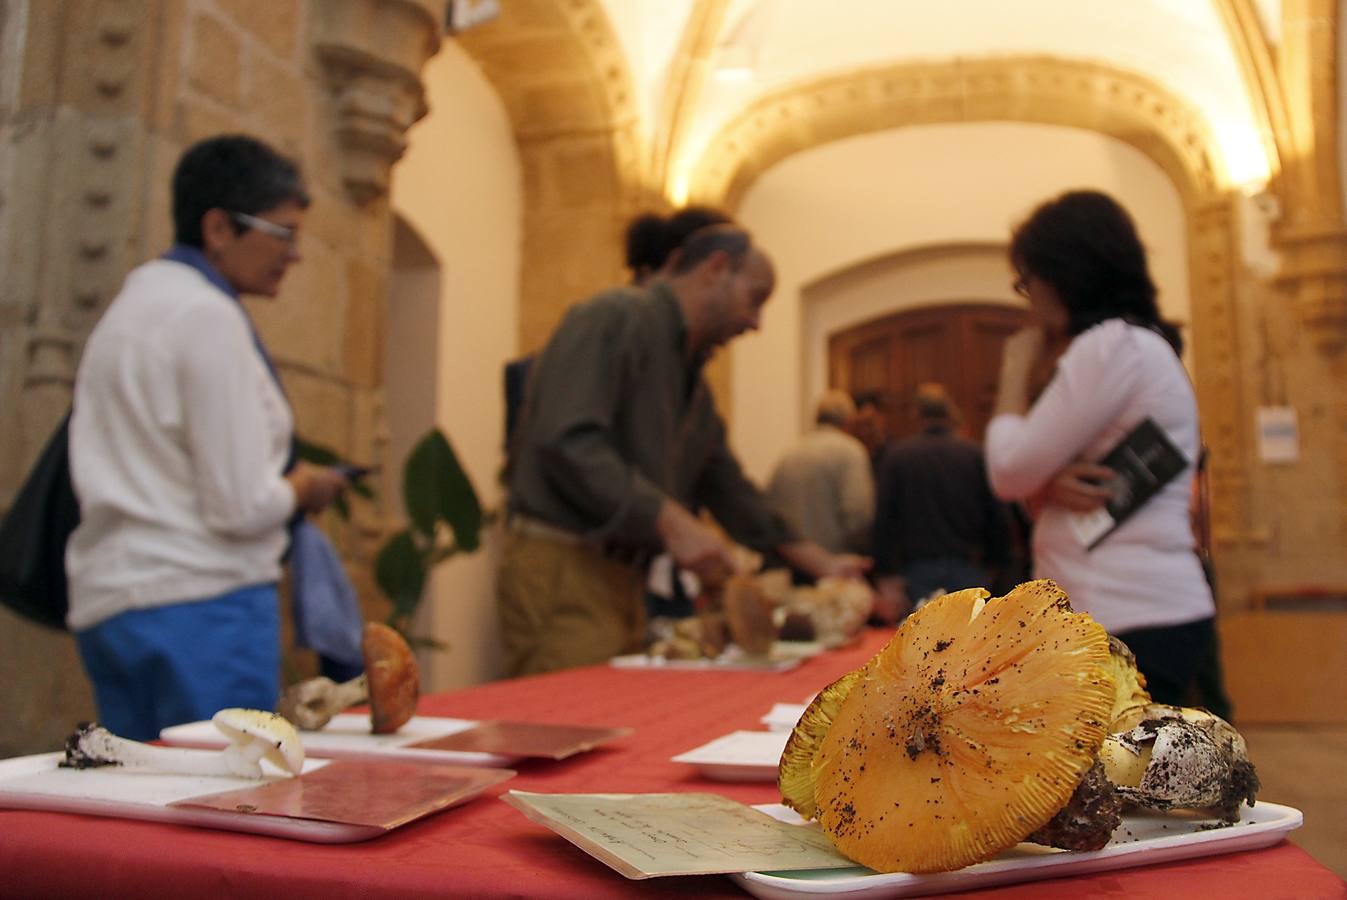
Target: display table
x=487, y=849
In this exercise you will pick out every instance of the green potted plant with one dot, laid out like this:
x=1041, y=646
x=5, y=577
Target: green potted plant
x=444, y=518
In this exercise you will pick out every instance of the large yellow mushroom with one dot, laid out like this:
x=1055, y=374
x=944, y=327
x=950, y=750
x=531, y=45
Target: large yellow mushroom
x=967, y=732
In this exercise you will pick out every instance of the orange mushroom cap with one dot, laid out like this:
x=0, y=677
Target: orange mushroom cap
x=393, y=675
x=967, y=732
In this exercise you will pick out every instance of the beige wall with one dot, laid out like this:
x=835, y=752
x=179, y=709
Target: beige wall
x=460, y=187
x=849, y=202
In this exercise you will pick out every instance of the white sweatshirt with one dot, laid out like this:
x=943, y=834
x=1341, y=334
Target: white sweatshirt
x=1146, y=574
x=177, y=441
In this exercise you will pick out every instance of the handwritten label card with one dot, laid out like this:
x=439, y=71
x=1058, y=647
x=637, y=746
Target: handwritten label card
x=649, y=835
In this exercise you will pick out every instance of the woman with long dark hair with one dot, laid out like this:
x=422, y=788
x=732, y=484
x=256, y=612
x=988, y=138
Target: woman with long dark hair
x=1079, y=261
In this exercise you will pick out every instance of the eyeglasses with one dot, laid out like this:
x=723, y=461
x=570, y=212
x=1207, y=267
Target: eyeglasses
x=1021, y=286
x=286, y=233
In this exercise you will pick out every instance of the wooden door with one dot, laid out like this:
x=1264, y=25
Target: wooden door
x=956, y=345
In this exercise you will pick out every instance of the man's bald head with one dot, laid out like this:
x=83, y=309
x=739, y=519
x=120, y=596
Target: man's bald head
x=703, y=243
x=722, y=280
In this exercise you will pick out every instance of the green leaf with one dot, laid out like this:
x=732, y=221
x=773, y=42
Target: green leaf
x=320, y=455
x=400, y=571
x=435, y=488
x=314, y=453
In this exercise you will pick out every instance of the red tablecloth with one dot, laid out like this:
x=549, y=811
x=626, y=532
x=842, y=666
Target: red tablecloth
x=488, y=849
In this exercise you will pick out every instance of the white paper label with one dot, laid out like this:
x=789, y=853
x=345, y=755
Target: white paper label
x=1278, y=434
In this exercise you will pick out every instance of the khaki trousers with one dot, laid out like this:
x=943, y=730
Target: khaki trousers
x=561, y=605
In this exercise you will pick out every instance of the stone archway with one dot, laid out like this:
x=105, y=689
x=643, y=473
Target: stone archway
x=1044, y=90
x=561, y=73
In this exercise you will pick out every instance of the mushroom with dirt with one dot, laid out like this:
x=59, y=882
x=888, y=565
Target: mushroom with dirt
x=254, y=735
x=391, y=684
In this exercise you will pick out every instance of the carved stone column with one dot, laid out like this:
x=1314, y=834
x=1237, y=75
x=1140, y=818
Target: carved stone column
x=372, y=52
x=1314, y=269
x=1312, y=237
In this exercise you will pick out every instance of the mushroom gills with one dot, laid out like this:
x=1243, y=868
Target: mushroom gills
x=795, y=773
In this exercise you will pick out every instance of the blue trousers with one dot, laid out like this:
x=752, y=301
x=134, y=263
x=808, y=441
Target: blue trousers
x=152, y=668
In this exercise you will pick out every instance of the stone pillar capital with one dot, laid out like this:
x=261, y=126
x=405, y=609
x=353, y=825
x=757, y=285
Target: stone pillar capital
x=1314, y=270
x=372, y=53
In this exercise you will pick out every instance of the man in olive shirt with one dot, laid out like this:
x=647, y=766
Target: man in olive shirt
x=618, y=445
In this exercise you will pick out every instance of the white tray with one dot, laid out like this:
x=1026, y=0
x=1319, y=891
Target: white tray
x=348, y=736
x=739, y=756
x=784, y=716
x=37, y=783
x=1142, y=839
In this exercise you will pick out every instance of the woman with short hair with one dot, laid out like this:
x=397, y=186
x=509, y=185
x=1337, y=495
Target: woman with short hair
x=180, y=452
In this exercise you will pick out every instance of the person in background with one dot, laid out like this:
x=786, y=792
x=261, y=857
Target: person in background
x=870, y=427
x=619, y=447
x=1079, y=261
x=823, y=485
x=938, y=526
x=651, y=242
x=179, y=437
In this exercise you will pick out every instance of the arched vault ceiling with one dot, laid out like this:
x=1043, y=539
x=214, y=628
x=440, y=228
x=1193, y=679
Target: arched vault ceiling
x=1025, y=89
x=1183, y=45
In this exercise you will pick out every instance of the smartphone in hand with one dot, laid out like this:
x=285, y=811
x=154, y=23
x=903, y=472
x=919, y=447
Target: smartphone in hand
x=354, y=472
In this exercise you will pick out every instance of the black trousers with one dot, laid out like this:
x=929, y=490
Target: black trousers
x=1170, y=656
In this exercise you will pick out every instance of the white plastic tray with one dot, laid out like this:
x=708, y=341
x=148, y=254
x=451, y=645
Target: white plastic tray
x=784, y=716
x=739, y=756
x=37, y=783
x=1141, y=839
x=348, y=736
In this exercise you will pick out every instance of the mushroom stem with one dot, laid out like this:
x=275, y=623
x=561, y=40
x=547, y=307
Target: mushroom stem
x=350, y=693
x=93, y=745
x=312, y=703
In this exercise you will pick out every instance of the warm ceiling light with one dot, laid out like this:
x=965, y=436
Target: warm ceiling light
x=734, y=62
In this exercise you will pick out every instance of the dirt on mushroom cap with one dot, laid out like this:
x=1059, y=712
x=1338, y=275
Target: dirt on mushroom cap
x=967, y=732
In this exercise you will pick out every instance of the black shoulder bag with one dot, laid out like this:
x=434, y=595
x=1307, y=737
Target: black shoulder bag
x=33, y=536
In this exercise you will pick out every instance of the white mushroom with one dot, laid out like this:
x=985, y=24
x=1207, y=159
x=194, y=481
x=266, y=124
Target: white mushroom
x=1181, y=758
x=391, y=684
x=253, y=734
x=312, y=703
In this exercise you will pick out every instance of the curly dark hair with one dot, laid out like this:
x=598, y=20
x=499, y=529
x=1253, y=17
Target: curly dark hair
x=1086, y=246
x=651, y=238
x=235, y=173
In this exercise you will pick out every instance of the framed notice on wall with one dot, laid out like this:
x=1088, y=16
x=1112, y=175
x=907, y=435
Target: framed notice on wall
x=1278, y=434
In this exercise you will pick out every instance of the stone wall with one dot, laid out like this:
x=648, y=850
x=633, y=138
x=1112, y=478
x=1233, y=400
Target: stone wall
x=99, y=99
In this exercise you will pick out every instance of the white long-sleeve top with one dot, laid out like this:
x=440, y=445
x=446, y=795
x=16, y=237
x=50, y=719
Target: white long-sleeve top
x=177, y=441
x=1146, y=573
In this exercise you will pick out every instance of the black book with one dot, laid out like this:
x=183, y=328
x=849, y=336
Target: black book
x=1144, y=462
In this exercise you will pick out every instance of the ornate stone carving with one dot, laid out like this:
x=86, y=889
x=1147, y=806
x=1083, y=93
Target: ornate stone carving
x=1052, y=91
x=561, y=74
x=1314, y=269
x=372, y=52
